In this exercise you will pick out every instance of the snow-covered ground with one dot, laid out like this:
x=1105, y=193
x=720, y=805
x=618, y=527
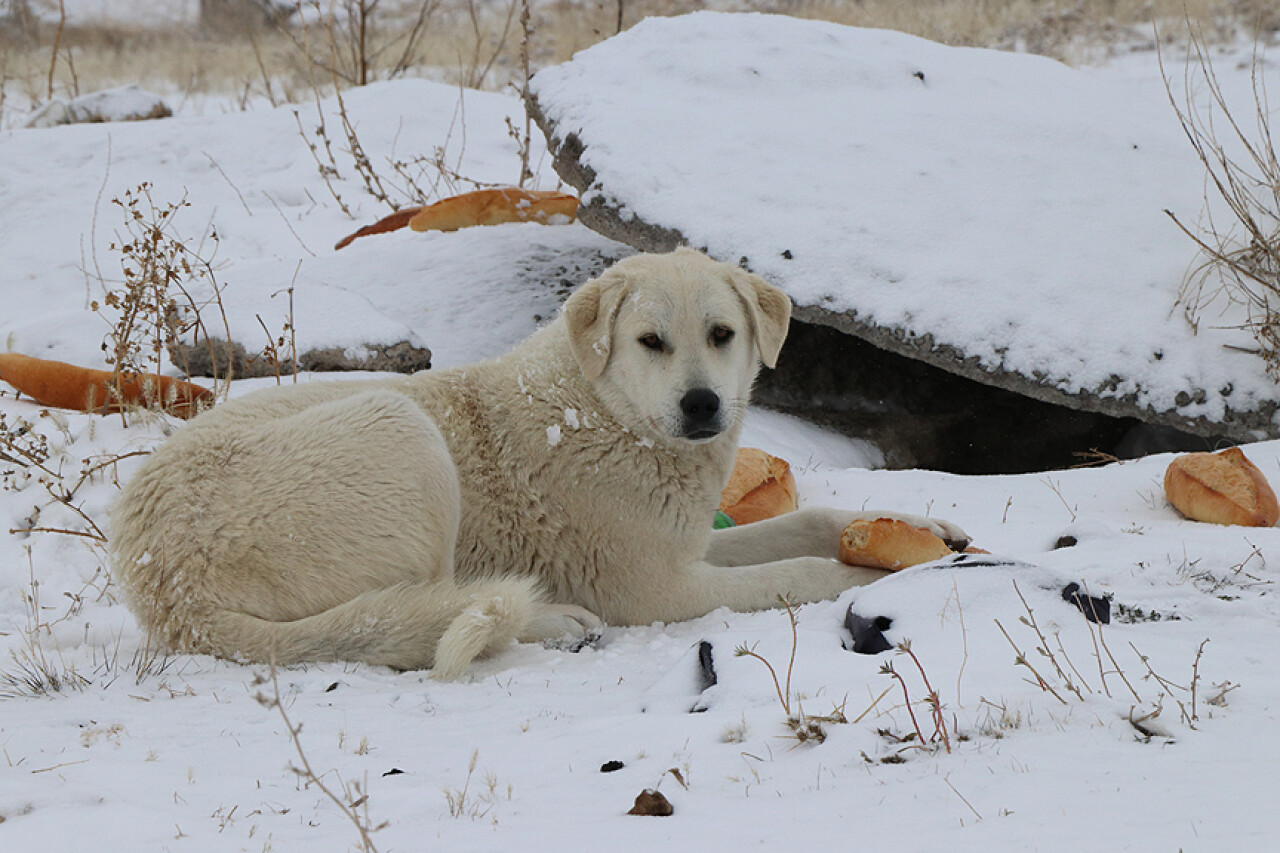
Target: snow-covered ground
x=183, y=756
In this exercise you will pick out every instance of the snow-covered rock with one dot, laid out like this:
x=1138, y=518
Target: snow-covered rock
x=124, y=103
x=999, y=215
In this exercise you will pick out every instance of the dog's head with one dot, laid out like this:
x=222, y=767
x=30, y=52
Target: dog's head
x=673, y=342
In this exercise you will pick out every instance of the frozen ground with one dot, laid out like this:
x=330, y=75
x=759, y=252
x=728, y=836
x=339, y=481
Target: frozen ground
x=184, y=757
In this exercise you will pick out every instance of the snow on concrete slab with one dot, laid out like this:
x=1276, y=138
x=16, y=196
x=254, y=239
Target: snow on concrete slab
x=999, y=215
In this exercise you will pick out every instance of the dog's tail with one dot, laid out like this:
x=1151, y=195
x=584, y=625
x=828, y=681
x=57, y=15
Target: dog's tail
x=441, y=626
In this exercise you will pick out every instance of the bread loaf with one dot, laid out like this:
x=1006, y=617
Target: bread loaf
x=760, y=486
x=1222, y=488
x=494, y=207
x=394, y=222
x=887, y=543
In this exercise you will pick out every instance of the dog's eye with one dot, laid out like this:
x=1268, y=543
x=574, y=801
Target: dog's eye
x=721, y=335
x=652, y=341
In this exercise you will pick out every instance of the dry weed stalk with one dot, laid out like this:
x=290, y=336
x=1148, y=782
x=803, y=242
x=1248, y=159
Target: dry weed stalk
x=410, y=184
x=523, y=139
x=57, y=42
x=350, y=40
x=461, y=801
x=1143, y=711
x=354, y=804
x=153, y=306
x=940, y=732
x=34, y=672
x=804, y=727
x=474, y=69
x=273, y=352
x=784, y=693
x=1241, y=256
x=27, y=448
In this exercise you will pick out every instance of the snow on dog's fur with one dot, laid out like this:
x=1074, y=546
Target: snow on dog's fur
x=423, y=521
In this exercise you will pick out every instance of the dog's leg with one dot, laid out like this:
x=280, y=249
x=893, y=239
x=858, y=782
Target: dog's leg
x=561, y=624
x=697, y=589
x=808, y=532
x=436, y=625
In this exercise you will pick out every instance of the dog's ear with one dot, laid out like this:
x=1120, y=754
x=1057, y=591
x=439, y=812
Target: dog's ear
x=589, y=315
x=769, y=310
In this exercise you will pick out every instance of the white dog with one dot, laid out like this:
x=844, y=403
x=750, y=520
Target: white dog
x=423, y=521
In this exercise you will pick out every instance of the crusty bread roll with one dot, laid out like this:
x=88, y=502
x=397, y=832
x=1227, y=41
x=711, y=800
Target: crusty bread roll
x=761, y=486
x=394, y=222
x=482, y=207
x=494, y=207
x=1222, y=488
x=887, y=543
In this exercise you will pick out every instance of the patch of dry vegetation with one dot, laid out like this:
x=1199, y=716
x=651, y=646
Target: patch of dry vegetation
x=1065, y=29
x=1240, y=245
x=477, y=43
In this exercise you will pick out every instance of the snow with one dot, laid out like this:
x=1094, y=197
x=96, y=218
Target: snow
x=250, y=178
x=1004, y=204
x=146, y=12
x=185, y=757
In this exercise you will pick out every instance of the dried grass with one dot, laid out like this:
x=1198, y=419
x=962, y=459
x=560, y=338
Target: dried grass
x=478, y=42
x=1240, y=251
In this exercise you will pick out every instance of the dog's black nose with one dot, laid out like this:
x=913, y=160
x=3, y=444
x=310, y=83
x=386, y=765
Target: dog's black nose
x=700, y=407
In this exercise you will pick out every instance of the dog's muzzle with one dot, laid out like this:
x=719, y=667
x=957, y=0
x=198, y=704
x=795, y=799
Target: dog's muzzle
x=700, y=408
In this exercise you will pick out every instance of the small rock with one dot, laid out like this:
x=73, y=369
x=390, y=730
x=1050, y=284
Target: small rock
x=1095, y=609
x=868, y=633
x=652, y=802
x=611, y=766
x=126, y=103
x=209, y=358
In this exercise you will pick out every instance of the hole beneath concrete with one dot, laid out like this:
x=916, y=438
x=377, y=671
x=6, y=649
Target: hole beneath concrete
x=924, y=417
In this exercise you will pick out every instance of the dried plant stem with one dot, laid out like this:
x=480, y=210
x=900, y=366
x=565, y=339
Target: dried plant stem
x=888, y=670
x=1115, y=665
x=328, y=171
x=523, y=143
x=784, y=693
x=1195, y=677
x=1242, y=253
x=935, y=704
x=57, y=43
x=1021, y=660
x=348, y=809
x=783, y=698
x=1030, y=621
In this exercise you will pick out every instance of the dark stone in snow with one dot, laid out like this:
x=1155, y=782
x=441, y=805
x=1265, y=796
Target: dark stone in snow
x=1096, y=610
x=653, y=803
x=209, y=358
x=868, y=634
x=706, y=667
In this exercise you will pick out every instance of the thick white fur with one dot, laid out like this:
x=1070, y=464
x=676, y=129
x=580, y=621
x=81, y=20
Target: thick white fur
x=423, y=521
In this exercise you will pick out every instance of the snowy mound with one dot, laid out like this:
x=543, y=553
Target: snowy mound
x=251, y=180
x=998, y=215
x=124, y=103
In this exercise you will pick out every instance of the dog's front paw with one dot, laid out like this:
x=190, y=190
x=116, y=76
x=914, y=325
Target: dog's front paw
x=563, y=626
x=952, y=534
